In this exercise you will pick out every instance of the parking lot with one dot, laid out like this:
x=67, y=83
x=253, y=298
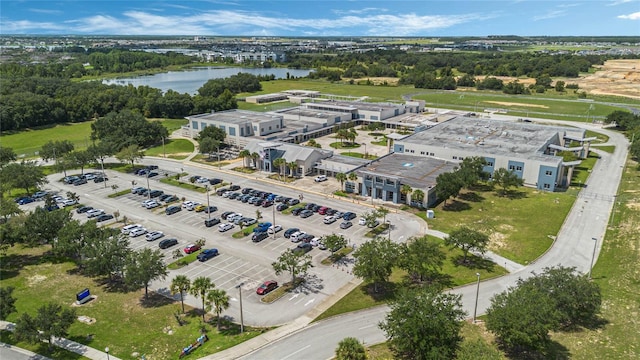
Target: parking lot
x=241, y=261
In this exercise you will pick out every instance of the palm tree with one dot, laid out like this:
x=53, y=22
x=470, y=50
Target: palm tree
x=382, y=212
x=350, y=349
x=293, y=166
x=200, y=287
x=418, y=195
x=341, y=134
x=255, y=156
x=244, y=154
x=342, y=177
x=351, y=135
x=406, y=190
x=353, y=176
x=180, y=284
x=280, y=163
x=217, y=300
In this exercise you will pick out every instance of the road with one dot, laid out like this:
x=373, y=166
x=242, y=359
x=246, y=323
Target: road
x=574, y=246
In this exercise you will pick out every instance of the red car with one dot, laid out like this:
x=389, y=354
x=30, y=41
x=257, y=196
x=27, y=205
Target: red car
x=191, y=248
x=267, y=287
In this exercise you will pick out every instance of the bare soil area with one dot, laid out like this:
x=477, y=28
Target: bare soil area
x=615, y=77
x=505, y=103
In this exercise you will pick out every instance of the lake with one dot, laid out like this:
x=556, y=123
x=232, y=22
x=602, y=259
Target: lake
x=189, y=81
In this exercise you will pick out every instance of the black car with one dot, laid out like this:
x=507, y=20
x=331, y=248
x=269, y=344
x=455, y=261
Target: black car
x=172, y=209
x=171, y=198
x=349, y=216
x=222, y=191
x=331, y=212
x=247, y=190
x=167, y=243
x=211, y=222
x=303, y=247
x=164, y=197
x=99, y=179
x=104, y=217
x=234, y=187
x=80, y=181
x=225, y=214
x=215, y=181
x=259, y=236
x=297, y=211
x=152, y=167
x=156, y=193
x=309, y=206
x=83, y=209
x=210, y=209
x=305, y=213
x=315, y=208
x=282, y=206
x=259, y=202
x=289, y=232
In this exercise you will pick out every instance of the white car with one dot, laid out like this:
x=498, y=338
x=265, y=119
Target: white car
x=137, y=232
x=59, y=199
x=152, y=204
x=362, y=221
x=315, y=241
x=320, y=178
x=233, y=217
x=154, y=235
x=329, y=219
x=127, y=228
x=297, y=236
x=274, y=229
x=187, y=203
x=89, y=176
x=94, y=213
x=226, y=226
x=69, y=202
x=192, y=206
x=202, y=180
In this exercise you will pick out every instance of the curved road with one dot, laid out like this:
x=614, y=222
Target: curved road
x=574, y=246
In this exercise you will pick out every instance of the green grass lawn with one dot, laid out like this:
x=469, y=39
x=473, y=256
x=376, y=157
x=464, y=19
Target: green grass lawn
x=358, y=155
x=607, y=148
x=344, y=145
x=125, y=321
x=174, y=148
x=42, y=348
x=27, y=143
x=180, y=184
x=172, y=124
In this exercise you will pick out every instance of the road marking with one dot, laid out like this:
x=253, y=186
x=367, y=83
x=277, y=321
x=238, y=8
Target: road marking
x=365, y=327
x=294, y=296
x=309, y=302
x=295, y=352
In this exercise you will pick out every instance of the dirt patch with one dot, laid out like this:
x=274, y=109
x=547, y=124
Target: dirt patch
x=34, y=280
x=379, y=80
x=615, y=77
x=504, y=103
x=497, y=240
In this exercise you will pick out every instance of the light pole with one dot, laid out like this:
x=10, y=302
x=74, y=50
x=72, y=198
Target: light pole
x=148, y=186
x=273, y=209
x=163, y=152
x=239, y=287
x=475, y=308
x=593, y=256
x=107, y=351
x=208, y=205
x=389, y=228
x=365, y=150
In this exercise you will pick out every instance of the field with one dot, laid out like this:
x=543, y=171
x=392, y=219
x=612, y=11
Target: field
x=174, y=148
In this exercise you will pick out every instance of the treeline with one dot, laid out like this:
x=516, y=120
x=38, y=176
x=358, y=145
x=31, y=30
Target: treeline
x=95, y=62
x=35, y=101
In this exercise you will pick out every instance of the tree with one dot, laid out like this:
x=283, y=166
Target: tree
x=44, y=226
x=212, y=132
x=623, y=119
x=218, y=301
x=126, y=128
x=560, y=86
x=258, y=214
x=200, y=287
x=350, y=349
x=179, y=285
x=506, y=179
x=422, y=258
x=418, y=196
x=424, y=324
x=131, y=153
x=100, y=151
x=370, y=218
x=81, y=158
x=341, y=177
x=73, y=196
x=51, y=321
x=467, y=240
x=7, y=155
x=293, y=167
x=382, y=212
x=144, y=266
x=448, y=184
x=106, y=254
x=634, y=149
x=208, y=144
x=293, y=262
x=353, y=176
x=244, y=154
x=280, y=163
x=405, y=190
x=375, y=260
x=255, y=156
x=7, y=302
x=8, y=208
x=334, y=242
x=55, y=149
x=25, y=175
x=472, y=170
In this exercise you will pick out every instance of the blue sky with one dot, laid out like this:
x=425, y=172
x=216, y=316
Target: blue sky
x=321, y=18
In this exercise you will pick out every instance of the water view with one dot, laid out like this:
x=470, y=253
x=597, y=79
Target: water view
x=190, y=81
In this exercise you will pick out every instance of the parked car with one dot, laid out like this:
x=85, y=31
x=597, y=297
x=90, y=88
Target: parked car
x=104, y=217
x=274, y=229
x=136, y=190
x=39, y=195
x=297, y=236
x=99, y=179
x=70, y=179
x=210, y=209
x=374, y=224
x=191, y=248
x=211, y=222
x=303, y=247
x=248, y=221
x=199, y=208
x=305, y=213
x=346, y=224
x=167, y=243
x=83, y=209
x=290, y=231
x=226, y=214
x=297, y=211
x=172, y=209
x=215, y=181
x=267, y=203
x=259, y=236
x=156, y=193
x=25, y=200
x=171, y=198
x=293, y=202
x=349, y=215
x=68, y=202
x=192, y=205
x=95, y=212
x=80, y=181
x=282, y=206
x=137, y=232
x=225, y=227
x=329, y=219
x=267, y=287
x=234, y=187
x=202, y=180
x=207, y=254
x=154, y=235
x=263, y=226
x=315, y=241
x=152, y=174
x=127, y=228
x=362, y=221
x=320, y=178
x=152, y=204
x=187, y=204
x=323, y=210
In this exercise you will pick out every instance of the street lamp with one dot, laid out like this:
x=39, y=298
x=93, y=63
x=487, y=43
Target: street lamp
x=593, y=256
x=239, y=287
x=389, y=228
x=208, y=205
x=148, y=187
x=475, y=309
x=273, y=209
x=107, y=351
x=365, y=150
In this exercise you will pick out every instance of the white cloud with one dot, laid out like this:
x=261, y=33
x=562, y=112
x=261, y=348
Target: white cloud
x=632, y=16
x=26, y=26
x=618, y=2
x=359, y=11
x=550, y=15
x=45, y=11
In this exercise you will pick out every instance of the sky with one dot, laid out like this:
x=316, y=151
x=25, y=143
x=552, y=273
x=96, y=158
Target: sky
x=314, y=18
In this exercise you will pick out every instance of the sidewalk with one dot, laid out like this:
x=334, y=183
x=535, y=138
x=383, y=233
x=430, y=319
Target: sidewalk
x=69, y=345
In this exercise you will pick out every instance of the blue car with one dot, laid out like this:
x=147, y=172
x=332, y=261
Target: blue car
x=25, y=200
x=262, y=227
x=207, y=254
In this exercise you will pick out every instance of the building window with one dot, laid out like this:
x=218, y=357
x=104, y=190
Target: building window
x=194, y=125
x=511, y=167
x=548, y=173
x=255, y=128
x=432, y=154
x=421, y=152
x=202, y=126
x=518, y=168
x=546, y=186
x=489, y=163
x=269, y=127
x=373, y=117
x=232, y=131
x=455, y=158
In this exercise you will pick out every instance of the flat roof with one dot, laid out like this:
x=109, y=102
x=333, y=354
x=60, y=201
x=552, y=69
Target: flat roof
x=237, y=117
x=359, y=105
x=415, y=171
x=488, y=136
x=302, y=111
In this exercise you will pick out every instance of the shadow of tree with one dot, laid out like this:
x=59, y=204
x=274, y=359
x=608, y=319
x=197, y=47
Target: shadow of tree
x=471, y=196
x=439, y=280
x=386, y=291
x=10, y=265
x=474, y=262
x=455, y=205
x=155, y=300
x=515, y=194
x=552, y=350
